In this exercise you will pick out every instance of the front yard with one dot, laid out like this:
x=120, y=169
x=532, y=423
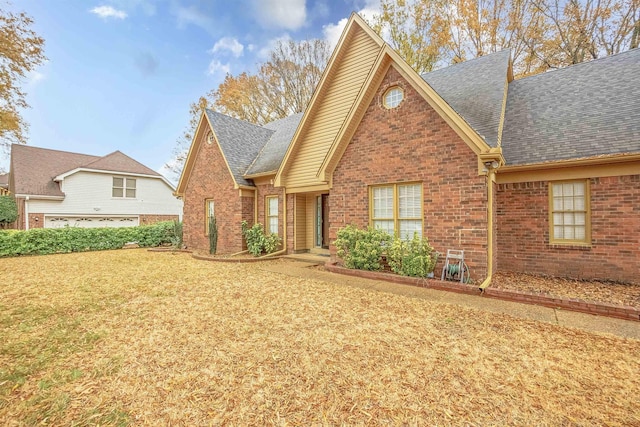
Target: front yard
x=139, y=338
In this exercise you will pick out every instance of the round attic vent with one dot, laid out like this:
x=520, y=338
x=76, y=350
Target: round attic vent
x=210, y=138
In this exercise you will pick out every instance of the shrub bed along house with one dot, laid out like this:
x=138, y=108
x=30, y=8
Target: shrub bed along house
x=41, y=241
x=371, y=249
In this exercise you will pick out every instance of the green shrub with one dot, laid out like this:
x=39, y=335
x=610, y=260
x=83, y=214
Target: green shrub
x=176, y=238
x=8, y=210
x=213, y=235
x=413, y=258
x=41, y=241
x=257, y=241
x=361, y=249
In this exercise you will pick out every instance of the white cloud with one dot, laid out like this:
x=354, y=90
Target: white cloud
x=191, y=15
x=285, y=14
x=228, y=43
x=106, y=12
x=217, y=67
x=332, y=32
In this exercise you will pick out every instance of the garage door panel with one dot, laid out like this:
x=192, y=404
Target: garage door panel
x=90, y=222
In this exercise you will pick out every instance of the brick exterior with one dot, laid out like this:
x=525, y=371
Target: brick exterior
x=412, y=143
x=523, y=232
x=210, y=179
x=152, y=219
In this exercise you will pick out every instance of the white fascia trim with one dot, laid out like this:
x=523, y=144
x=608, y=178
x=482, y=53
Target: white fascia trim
x=71, y=172
x=36, y=196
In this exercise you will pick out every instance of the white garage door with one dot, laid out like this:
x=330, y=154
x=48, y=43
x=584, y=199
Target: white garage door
x=90, y=222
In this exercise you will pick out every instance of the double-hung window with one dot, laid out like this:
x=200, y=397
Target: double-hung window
x=124, y=187
x=209, y=206
x=569, y=212
x=272, y=214
x=397, y=209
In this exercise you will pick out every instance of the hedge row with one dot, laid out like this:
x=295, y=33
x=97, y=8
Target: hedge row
x=41, y=241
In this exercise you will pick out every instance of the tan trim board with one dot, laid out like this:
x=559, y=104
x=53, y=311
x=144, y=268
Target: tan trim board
x=307, y=189
x=260, y=175
x=568, y=170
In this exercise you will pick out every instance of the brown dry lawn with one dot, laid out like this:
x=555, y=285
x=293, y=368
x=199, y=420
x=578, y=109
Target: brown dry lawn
x=140, y=338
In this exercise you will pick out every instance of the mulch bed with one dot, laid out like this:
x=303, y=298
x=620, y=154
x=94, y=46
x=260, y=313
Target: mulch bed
x=589, y=291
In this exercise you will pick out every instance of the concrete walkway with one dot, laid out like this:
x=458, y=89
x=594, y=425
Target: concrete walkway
x=297, y=267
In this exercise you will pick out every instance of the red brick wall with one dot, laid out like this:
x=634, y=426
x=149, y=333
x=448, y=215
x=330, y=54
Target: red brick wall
x=152, y=219
x=413, y=143
x=210, y=179
x=523, y=232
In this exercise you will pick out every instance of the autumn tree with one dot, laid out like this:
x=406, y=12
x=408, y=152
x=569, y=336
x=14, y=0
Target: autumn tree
x=413, y=30
x=541, y=34
x=582, y=30
x=282, y=86
x=21, y=51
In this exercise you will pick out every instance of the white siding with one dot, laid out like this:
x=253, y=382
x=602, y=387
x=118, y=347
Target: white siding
x=88, y=193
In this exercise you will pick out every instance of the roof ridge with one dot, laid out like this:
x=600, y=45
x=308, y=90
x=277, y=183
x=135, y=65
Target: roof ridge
x=573, y=66
x=51, y=149
x=507, y=49
x=236, y=119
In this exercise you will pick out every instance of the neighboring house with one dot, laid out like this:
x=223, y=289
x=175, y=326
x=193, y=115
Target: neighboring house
x=4, y=184
x=537, y=175
x=57, y=188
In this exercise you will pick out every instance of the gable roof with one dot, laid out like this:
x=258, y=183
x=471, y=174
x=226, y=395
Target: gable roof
x=475, y=89
x=272, y=153
x=4, y=180
x=34, y=169
x=239, y=141
x=584, y=110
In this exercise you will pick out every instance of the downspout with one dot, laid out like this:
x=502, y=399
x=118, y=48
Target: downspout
x=255, y=205
x=491, y=174
x=284, y=230
x=26, y=213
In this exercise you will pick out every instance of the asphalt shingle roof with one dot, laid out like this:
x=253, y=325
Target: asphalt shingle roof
x=239, y=141
x=585, y=110
x=4, y=180
x=274, y=150
x=35, y=168
x=475, y=90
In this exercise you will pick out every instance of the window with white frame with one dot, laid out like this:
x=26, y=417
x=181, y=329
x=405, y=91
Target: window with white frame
x=569, y=217
x=397, y=209
x=209, y=206
x=272, y=214
x=123, y=187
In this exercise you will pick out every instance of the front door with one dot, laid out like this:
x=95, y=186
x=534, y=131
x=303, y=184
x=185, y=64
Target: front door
x=322, y=222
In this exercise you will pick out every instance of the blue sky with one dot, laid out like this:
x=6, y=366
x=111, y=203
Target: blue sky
x=121, y=74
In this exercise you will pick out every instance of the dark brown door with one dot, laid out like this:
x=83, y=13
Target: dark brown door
x=325, y=221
